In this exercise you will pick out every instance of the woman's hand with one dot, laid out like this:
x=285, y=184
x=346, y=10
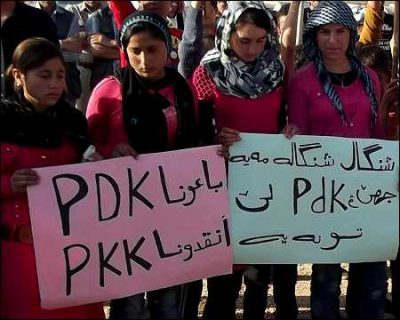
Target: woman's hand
x=96, y=157
x=227, y=137
x=23, y=178
x=390, y=96
x=122, y=150
x=290, y=130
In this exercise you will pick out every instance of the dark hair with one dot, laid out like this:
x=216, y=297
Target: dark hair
x=31, y=54
x=257, y=17
x=142, y=27
x=374, y=57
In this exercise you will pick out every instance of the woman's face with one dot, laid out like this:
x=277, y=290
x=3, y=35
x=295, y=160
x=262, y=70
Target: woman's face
x=148, y=55
x=333, y=41
x=248, y=41
x=43, y=86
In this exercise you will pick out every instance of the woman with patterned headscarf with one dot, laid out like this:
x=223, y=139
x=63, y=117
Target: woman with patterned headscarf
x=242, y=83
x=336, y=95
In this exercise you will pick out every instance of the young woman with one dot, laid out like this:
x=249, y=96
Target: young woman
x=242, y=80
x=37, y=128
x=147, y=108
x=341, y=98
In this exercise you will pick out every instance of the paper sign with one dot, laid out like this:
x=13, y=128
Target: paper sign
x=113, y=228
x=313, y=199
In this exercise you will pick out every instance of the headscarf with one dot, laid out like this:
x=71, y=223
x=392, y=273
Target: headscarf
x=337, y=12
x=22, y=125
x=139, y=17
x=143, y=112
x=233, y=76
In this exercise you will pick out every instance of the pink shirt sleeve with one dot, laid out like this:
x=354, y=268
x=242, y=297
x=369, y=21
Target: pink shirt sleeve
x=104, y=114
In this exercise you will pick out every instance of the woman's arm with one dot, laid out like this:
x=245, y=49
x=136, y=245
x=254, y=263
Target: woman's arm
x=288, y=39
x=191, y=46
x=102, y=109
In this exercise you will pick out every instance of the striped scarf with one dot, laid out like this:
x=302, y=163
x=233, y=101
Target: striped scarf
x=233, y=76
x=337, y=12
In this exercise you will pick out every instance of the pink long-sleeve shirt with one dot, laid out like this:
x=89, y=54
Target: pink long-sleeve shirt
x=310, y=109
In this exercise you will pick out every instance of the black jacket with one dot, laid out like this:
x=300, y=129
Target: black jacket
x=24, y=23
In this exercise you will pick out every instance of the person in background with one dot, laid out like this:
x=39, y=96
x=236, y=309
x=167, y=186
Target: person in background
x=82, y=11
x=19, y=22
x=121, y=9
x=307, y=11
x=281, y=16
x=38, y=128
x=375, y=57
x=210, y=17
x=241, y=84
x=102, y=33
x=220, y=7
x=70, y=43
x=341, y=99
x=147, y=108
x=191, y=48
x=175, y=14
x=377, y=26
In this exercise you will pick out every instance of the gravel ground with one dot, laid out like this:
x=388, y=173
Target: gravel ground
x=302, y=293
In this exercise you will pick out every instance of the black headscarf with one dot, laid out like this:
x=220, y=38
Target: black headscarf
x=20, y=124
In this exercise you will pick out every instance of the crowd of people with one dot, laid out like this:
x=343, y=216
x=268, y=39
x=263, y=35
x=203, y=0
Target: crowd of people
x=106, y=79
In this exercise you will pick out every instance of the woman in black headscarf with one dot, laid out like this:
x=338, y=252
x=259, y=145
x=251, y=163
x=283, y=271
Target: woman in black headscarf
x=146, y=108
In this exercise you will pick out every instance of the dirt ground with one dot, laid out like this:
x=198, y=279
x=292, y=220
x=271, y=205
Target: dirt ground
x=302, y=293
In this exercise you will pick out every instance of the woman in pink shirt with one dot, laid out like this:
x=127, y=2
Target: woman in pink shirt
x=335, y=95
x=38, y=128
x=147, y=108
